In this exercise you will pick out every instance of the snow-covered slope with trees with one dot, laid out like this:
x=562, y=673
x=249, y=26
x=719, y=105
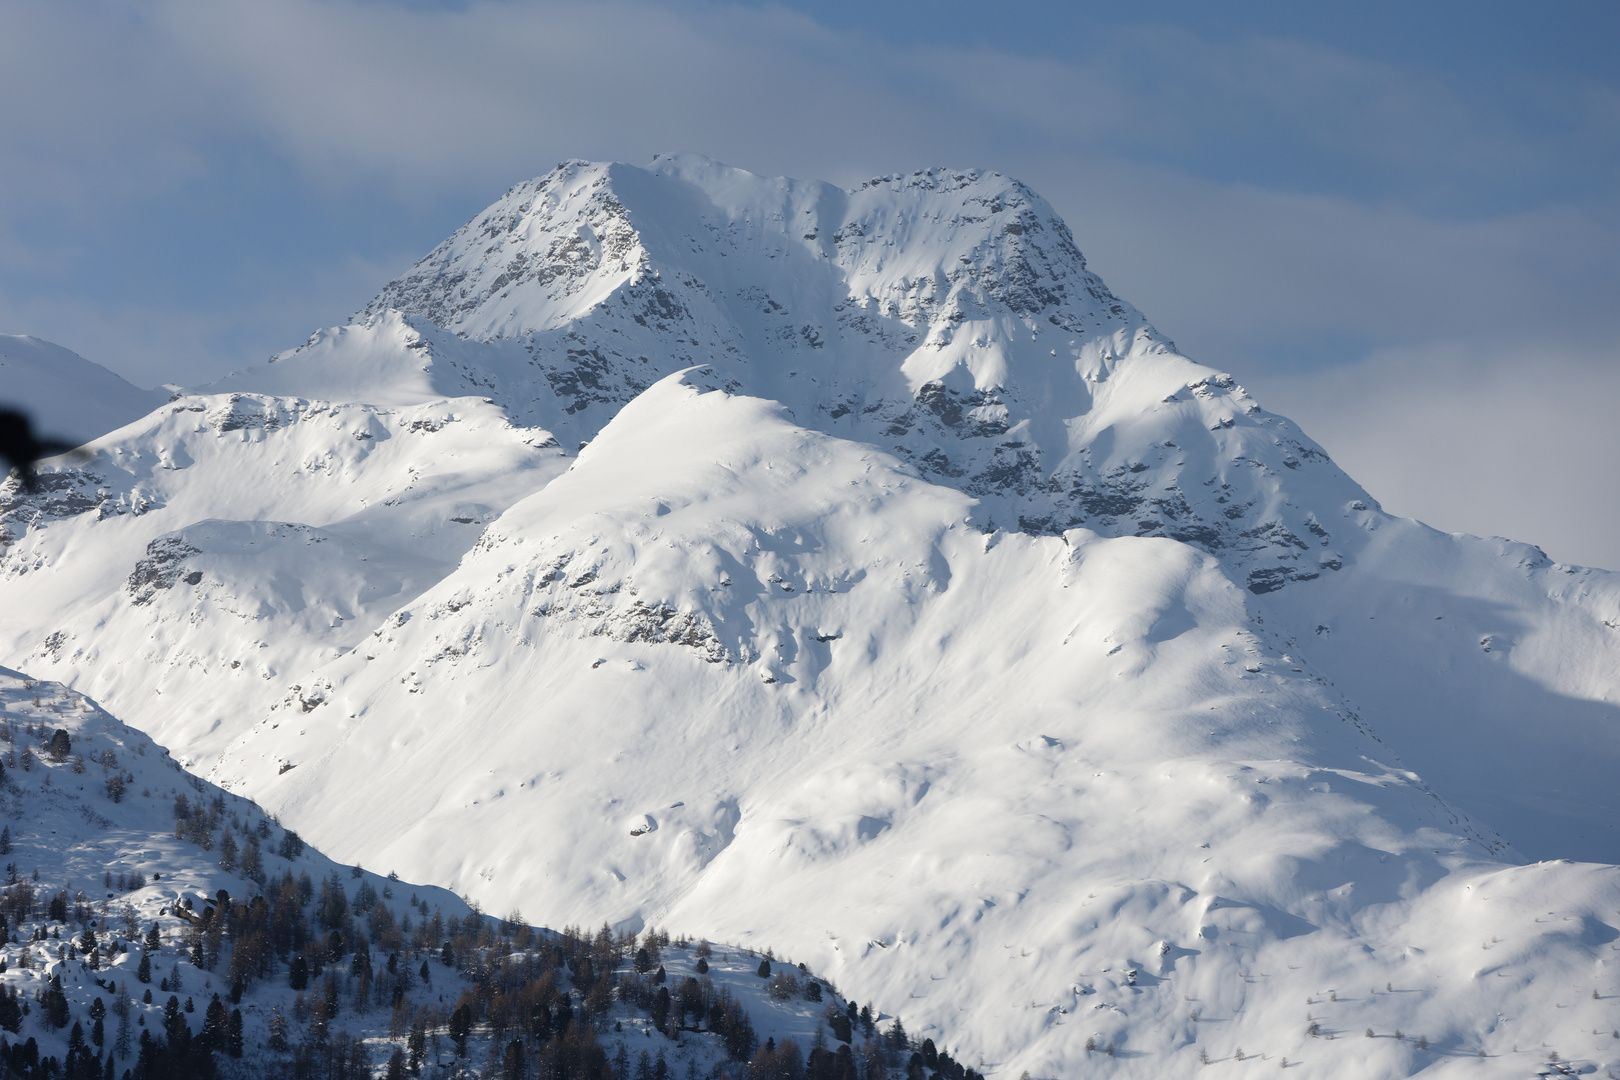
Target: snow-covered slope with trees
x=132, y=884
x=852, y=571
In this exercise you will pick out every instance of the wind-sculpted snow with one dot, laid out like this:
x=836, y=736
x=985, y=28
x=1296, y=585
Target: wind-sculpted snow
x=851, y=572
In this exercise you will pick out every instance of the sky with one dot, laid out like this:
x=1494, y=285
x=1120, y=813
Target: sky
x=1398, y=224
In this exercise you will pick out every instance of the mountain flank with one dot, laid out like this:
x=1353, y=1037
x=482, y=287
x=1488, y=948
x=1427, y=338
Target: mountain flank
x=852, y=573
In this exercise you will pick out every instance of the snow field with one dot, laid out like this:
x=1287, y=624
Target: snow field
x=63, y=824
x=943, y=627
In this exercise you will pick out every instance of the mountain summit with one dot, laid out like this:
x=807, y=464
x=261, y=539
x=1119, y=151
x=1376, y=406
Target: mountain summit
x=852, y=572
x=946, y=316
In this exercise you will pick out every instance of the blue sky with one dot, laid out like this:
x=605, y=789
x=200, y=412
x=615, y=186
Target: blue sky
x=1396, y=222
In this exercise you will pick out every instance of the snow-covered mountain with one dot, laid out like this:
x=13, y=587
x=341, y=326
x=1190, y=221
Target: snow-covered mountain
x=106, y=808
x=70, y=830
x=853, y=571
x=66, y=396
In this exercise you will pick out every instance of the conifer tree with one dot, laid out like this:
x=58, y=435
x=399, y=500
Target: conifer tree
x=512, y=1062
x=416, y=1044
x=212, y=1036
x=175, y=1028
x=278, y=1031
x=660, y=1012
x=460, y=1026
x=121, y=1040
x=10, y=1010
x=57, y=1013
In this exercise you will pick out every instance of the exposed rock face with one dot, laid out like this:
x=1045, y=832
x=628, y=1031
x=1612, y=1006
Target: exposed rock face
x=163, y=566
x=946, y=316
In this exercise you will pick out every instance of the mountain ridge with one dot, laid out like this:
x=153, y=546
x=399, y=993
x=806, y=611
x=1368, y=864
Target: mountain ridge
x=65, y=395
x=925, y=356
x=632, y=599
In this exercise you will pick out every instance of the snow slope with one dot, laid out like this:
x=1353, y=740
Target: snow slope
x=835, y=758
x=254, y=537
x=69, y=836
x=67, y=397
x=926, y=627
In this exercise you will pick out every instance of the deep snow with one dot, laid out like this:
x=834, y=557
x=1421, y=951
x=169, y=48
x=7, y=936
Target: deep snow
x=68, y=835
x=851, y=571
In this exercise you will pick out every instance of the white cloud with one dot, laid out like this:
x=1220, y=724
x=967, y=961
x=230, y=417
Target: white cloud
x=1226, y=267
x=1269, y=203
x=356, y=92
x=1514, y=440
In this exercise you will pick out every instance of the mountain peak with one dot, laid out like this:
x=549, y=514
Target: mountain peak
x=946, y=315
x=851, y=569
x=934, y=249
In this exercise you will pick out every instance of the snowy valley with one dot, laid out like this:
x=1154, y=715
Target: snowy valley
x=852, y=574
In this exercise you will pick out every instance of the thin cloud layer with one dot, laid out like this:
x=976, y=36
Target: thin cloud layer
x=1518, y=440
x=190, y=185
x=423, y=99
